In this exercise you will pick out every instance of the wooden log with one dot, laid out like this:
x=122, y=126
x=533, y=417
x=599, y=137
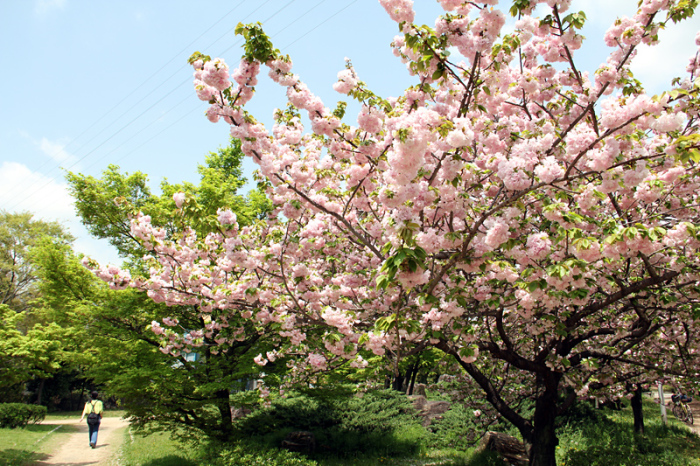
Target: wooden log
x=512, y=450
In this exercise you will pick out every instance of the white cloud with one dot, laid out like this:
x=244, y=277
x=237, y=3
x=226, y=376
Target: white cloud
x=56, y=151
x=656, y=66
x=23, y=189
x=48, y=199
x=42, y=7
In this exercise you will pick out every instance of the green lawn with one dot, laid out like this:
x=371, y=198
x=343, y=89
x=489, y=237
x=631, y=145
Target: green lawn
x=590, y=438
x=155, y=450
x=19, y=447
x=609, y=440
x=69, y=415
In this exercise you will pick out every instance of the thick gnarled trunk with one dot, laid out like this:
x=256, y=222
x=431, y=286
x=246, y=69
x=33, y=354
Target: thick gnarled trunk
x=544, y=437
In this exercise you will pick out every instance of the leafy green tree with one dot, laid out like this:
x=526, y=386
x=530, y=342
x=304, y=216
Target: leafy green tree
x=29, y=347
x=120, y=350
x=19, y=232
x=106, y=204
x=115, y=348
x=25, y=355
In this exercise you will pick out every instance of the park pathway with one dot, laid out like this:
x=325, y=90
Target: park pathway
x=695, y=408
x=77, y=452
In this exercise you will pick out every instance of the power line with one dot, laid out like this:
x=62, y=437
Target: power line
x=150, y=107
x=322, y=23
x=176, y=56
x=221, y=54
x=180, y=84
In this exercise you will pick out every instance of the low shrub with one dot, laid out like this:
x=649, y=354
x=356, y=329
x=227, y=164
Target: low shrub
x=456, y=428
x=376, y=411
x=237, y=455
x=19, y=414
x=580, y=413
x=342, y=424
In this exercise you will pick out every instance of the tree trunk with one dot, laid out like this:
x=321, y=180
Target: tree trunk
x=40, y=391
x=82, y=394
x=224, y=405
x=544, y=438
x=637, y=410
x=414, y=375
x=398, y=382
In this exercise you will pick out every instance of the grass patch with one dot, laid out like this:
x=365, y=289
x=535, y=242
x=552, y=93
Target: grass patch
x=73, y=415
x=606, y=438
x=157, y=449
x=25, y=446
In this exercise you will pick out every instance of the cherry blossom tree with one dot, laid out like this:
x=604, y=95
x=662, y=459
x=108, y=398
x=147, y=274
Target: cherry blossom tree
x=508, y=207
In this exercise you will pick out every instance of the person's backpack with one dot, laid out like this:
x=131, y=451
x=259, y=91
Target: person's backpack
x=93, y=418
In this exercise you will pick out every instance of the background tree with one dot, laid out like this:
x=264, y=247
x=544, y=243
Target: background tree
x=19, y=232
x=123, y=354
x=105, y=205
x=30, y=345
x=26, y=354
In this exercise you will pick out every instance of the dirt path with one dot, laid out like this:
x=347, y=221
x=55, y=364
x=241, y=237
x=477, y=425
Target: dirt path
x=77, y=452
x=695, y=408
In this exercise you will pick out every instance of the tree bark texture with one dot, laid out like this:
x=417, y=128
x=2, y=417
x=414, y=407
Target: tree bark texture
x=544, y=438
x=637, y=410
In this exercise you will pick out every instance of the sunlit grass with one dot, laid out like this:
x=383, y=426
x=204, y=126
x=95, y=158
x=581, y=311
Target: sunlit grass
x=25, y=446
x=71, y=415
x=610, y=440
x=606, y=439
x=157, y=449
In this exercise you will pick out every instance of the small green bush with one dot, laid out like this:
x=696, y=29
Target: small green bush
x=19, y=414
x=237, y=455
x=376, y=411
x=455, y=429
x=343, y=424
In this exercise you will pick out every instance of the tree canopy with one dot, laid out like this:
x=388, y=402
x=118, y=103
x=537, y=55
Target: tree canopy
x=125, y=356
x=19, y=232
x=509, y=210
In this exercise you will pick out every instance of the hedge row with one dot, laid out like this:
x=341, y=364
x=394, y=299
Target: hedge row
x=19, y=414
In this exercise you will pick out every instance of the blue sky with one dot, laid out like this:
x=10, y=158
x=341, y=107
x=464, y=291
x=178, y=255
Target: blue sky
x=90, y=83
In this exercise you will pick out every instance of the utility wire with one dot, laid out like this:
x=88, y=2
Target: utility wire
x=221, y=54
x=189, y=95
x=180, y=84
x=51, y=179
x=176, y=56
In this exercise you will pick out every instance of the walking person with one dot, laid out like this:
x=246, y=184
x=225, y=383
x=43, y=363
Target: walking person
x=93, y=409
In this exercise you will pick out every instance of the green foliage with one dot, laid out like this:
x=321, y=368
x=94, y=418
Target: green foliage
x=189, y=396
x=35, y=352
x=579, y=414
x=108, y=336
x=19, y=233
x=105, y=204
x=485, y=458
x=375, y=422
x=455, y=429
x=404, y=259
x=14, y=415
x=257, y=45
x=606, y=438
x=238, y=454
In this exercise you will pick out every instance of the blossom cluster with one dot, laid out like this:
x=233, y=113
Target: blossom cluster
x=506, y=201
